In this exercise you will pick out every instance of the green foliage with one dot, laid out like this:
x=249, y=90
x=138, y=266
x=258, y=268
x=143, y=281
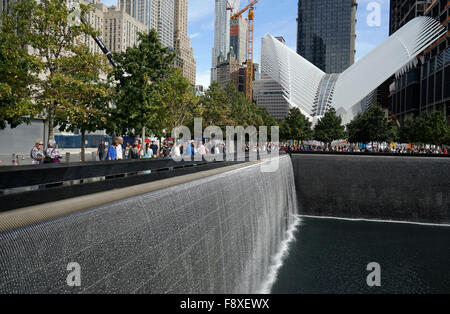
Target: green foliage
x=215, y=108
x=329, y=128
x=408, y=131
x=17, y=67
x=138, y=93
x=371, y=126
x=296, y=126
x=179, y=105
x=432, y=129
x=50, y=60
x=426, y=129
x=229, y=107
x=87, y=96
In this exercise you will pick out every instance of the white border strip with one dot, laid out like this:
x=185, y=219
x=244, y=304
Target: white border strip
x=377, y=220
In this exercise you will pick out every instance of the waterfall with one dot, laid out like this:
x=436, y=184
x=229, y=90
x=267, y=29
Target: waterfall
x=226, y=233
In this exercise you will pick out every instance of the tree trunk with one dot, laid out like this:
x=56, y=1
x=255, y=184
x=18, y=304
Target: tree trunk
x=143, y=141
x=83, y=145
x=51, y=125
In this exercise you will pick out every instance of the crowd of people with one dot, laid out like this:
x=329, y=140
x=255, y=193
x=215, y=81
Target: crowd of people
x=181, y=148
x=120, y=151
x=357, y=149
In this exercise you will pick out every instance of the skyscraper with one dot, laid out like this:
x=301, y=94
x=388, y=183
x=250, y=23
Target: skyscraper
x=156, y=14
x=120, y=30
x=426, y=86
x=166, y=20
x=182, y=43
x=327, y=32
x=238, y=38
x=223, y=11
x=269, y=94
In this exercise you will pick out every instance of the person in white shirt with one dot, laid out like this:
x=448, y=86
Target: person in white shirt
x=177, y=151
x=201, y=150
x=119, y=148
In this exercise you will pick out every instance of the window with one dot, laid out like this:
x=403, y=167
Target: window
x=438, y=87
x=431, y=89
x=447, y=82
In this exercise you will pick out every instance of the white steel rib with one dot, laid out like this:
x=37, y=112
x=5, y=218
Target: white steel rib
x=301, y=80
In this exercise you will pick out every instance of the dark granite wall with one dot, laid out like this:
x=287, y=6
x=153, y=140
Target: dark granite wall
x=375, y=187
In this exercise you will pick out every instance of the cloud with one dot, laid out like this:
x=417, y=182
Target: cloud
x=195, y=35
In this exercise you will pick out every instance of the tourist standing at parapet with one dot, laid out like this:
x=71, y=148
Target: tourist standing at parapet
x=127, y=150
x=154, y=149
x=119, y=148
x=112, y=152
x=165, y=150
x=134, y=152
x=101, y=150
x=148, y=152
x=177, y=150
x=201, y=149
x=188, y=149
x=37, y=153
x=53, y=153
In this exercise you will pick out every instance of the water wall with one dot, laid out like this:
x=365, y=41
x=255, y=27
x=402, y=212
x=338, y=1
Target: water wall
x=216, y=234
x=374, y=187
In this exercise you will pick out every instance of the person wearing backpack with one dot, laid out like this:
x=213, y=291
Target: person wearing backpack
x=52, y=154
x=37, y=153
x=134, y=152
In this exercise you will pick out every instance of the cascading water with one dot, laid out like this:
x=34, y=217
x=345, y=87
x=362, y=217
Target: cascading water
x=226, y=233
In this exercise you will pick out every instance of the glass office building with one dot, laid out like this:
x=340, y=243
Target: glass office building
x=327, y=33
x=426, y=87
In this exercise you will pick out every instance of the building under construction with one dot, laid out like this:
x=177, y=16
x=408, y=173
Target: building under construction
x=237, y=66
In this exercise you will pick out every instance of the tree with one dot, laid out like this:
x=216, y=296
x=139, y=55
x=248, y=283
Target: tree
x=138, y=93
x=432, y=129
x=17, y=67
x=243, y=112
x=371, y=126
x=408, y=131
x=86, y=106
x=179, y=103
x=267, y=120
x=53, y=37
x=356, y=130
x=296, y=126
x=215, y=108
x=329, y=128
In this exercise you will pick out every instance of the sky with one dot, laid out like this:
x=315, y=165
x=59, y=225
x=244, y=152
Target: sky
x=276, y=17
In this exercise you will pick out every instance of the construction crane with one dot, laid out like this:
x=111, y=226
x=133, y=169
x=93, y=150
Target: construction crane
x=102, y=46
x=397, y=121
x=251, y=27
x=229, y=7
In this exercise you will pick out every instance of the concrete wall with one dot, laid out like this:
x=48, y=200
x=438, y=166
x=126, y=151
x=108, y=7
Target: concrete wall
x=375, y=187
x=22, y=138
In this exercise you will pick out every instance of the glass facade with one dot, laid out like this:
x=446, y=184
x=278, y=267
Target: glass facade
x=326, y=33
x=427, y=87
